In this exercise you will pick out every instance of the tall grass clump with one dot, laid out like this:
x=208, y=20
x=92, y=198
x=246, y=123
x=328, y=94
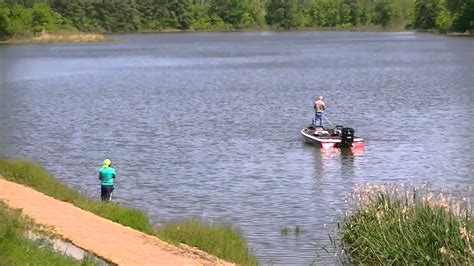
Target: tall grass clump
x=403, y=225
x=35, y=176
x=220, y=239
x=15, y=249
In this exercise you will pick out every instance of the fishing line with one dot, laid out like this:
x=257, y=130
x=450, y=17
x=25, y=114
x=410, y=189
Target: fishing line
x=327, y=120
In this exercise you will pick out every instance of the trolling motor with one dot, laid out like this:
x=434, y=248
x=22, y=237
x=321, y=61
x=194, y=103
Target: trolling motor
x=347, y=137
x=337, y=130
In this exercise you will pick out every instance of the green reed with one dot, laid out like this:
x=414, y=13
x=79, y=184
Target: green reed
x=403, y=225
x=231, y=245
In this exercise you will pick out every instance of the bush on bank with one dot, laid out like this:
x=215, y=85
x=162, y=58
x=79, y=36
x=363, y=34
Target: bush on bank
x=393, y=226
x=220, y=240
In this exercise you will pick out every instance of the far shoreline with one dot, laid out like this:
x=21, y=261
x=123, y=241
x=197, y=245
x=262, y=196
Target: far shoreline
x=86, y=37
x=69, y=37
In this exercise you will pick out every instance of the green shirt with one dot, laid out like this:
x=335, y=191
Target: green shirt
x=106, y=175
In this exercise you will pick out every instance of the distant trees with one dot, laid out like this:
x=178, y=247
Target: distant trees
x=43, y=18
x=283, y=14
x=4, y=22
x=338, y=13
x=29, y=16
x=17, y=19
x=445, y=15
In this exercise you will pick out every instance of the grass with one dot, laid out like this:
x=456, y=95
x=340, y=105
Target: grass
x=220, y=240
x=408, y=226
x=15, y=249
x=33, y=175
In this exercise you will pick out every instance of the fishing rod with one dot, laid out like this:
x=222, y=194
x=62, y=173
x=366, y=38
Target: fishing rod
x=327, y=120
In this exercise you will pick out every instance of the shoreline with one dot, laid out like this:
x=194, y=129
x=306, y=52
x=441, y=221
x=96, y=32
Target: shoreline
x=87, y=231
x=72, y=37
x=86, y=37
x=216, y=241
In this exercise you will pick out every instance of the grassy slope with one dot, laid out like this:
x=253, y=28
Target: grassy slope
x=15, y=249
x=218, y=239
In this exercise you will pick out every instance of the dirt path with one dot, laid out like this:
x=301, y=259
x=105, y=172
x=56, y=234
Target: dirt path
x=109, y=240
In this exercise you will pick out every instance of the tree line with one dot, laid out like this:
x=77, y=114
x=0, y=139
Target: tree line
x=19, y=17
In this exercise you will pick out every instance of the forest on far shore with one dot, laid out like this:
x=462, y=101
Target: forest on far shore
x=27, y=17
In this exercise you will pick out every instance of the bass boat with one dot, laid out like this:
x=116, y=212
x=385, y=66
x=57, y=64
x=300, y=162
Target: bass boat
x=337, y=137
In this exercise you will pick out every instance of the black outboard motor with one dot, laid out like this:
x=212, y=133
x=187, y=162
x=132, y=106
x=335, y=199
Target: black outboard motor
x=347, y=137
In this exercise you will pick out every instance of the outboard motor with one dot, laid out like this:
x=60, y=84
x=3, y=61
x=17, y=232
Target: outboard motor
x=347, y=137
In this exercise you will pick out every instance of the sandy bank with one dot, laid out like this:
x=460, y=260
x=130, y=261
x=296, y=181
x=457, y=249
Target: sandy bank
x=60, y=38
x=102, y=237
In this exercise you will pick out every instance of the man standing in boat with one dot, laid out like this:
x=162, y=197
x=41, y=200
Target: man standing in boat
x=319, y=107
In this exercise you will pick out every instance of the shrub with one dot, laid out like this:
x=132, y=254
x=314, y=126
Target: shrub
x=393, y=226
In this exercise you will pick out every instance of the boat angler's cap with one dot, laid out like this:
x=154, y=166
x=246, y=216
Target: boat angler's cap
x=106, y=163
x=320, y=97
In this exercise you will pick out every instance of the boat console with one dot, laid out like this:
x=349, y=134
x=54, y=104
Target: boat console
x=320, y=131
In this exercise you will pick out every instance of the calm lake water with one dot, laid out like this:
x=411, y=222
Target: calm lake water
x=207, y=124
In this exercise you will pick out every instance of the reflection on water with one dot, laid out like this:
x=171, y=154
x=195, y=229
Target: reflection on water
x=207, y=124
x=347, y=159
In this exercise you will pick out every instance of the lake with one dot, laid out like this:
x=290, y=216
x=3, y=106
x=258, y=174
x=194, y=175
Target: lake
x=207, y=125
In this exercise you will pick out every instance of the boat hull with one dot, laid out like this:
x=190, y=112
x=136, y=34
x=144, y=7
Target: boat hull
x=329, y=142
